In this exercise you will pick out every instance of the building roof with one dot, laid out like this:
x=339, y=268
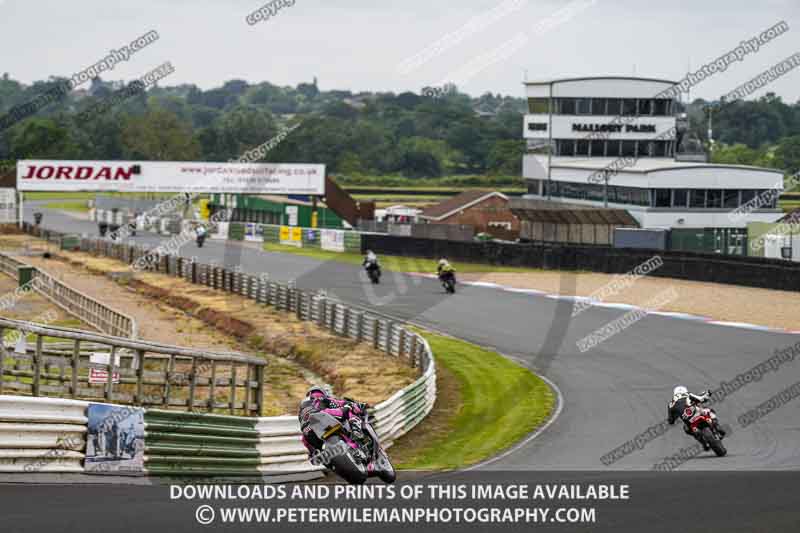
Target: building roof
x=534, y=211
x=458, y=203
x=590, y=78
x=643, y=165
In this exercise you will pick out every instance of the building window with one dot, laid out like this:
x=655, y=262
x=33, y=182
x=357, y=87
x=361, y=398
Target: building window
x=613, y=148
x=697, y=198
x=644, y=149
x=539, y=106
x=730, y=198
x=663, y=198
x=566, y=106
x=628, y=148
x=566, y=147
x=714, y=198
x=534, y=187
x=660, y=106
x=506, y=225
x=582, y=148
x=645, y=106
x=598, y=149
x=599, y=106
x=614, y=107
x=629, y=107
x=660, y=148
x=680, y=197
x=747, y=195
x=584, y=106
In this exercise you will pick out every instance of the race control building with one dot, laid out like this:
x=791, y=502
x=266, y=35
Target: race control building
x=619, y=142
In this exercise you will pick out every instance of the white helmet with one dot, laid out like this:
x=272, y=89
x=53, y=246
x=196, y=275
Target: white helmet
x=679, y=392
x=442, y=262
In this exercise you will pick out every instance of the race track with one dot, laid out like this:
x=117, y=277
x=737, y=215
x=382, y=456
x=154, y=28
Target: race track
x=610, y=393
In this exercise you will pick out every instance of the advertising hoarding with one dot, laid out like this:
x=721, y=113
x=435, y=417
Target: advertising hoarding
x=171, y=176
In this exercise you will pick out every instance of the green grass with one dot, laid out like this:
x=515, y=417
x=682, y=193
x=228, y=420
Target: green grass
x=500, y=403
x=394, y=263
x=74, y=205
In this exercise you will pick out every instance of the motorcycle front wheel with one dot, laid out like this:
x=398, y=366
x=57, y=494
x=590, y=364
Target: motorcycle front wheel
x=386, y=472
x=345, y=466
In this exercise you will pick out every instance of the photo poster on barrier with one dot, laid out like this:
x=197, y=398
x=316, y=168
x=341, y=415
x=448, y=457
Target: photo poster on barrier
x=251, y=232
x=114, y=440
x=332, y=240
x=311, y=235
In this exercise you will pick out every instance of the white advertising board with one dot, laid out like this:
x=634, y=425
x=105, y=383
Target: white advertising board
x=332, y=240
x=8, y=206
x=170, y=176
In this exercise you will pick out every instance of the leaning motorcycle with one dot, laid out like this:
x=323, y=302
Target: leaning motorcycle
x=448, y=280
x=350, y=448
x=704, y=423
x=200, y=240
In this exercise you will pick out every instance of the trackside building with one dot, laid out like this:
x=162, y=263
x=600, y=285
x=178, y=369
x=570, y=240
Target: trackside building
x=618, y=142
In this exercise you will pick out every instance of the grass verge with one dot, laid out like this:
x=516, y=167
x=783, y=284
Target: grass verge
x=76, y=205
x=391, y=262
x=485, y=404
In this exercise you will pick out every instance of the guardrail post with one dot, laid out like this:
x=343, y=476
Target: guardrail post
x=376, y=331
x=299, y=303
x=212, y=387
x=359, y=326
x=260, y=390
x=402, y=347
x=3, y=355
x=192, y=383
x=76, y=362
x=37, y=364
x=112, y=365
x=232, y=398
x=139, y=376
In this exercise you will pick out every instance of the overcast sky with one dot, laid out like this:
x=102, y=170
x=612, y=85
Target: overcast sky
x=390, y=46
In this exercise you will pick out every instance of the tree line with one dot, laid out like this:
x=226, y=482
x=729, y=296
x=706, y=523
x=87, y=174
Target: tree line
x=354, y=134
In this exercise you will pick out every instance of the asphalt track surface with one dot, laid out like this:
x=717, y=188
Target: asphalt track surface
x=609, y=394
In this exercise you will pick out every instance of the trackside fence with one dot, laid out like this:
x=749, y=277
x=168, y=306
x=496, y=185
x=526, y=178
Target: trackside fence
x=73, y=301
x=207, y=444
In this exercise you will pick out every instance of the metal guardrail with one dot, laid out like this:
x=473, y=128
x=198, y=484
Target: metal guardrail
x=130, y=372
x=41, y=435
x=73, y=301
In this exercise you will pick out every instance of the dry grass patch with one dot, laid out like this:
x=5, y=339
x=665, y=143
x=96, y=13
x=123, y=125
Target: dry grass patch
x=347, y=365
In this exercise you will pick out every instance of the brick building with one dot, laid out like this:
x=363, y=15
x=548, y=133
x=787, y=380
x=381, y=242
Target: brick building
x=486, y=211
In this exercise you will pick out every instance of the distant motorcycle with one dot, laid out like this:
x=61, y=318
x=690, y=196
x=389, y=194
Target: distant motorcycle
x=350, y=448
x=374, y=272
x=448, y=280
x=201, y=237
x=704, y=422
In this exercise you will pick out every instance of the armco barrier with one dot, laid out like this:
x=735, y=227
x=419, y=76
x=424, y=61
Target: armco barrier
x=41, y=435
x=735, y=270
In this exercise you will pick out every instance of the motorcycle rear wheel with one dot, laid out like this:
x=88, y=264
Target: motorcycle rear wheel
x=714, y=442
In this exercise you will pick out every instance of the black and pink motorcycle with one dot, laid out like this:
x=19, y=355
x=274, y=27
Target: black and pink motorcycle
x=349, y=447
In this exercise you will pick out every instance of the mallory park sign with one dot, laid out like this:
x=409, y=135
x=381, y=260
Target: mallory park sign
x=615, y=128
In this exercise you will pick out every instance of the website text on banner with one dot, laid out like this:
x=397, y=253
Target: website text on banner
x=170, y=176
